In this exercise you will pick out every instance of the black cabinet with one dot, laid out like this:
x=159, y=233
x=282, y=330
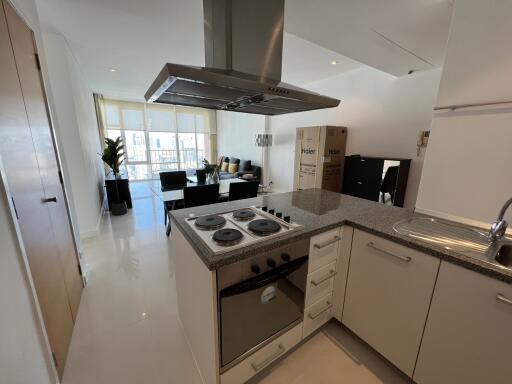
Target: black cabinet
x=376, y=178
x=123, y=185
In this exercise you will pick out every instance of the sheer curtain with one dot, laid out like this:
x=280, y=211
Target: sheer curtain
x=161, y=137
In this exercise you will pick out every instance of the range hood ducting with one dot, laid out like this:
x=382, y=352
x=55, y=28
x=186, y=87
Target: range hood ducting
x=243, y=55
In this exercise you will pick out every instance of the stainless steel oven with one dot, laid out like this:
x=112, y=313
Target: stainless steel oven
x=260, y=299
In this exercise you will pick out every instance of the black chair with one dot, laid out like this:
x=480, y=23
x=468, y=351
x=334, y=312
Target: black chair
x=389, y=183
x=171, y=180
x=243, y=190
x=201, y=175
x=201, y=195
x=168, y=180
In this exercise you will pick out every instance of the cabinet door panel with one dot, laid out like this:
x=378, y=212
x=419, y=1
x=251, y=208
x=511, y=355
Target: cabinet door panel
x=35, y=105
x=22, y=170
x=389, y=289
x=468, y=336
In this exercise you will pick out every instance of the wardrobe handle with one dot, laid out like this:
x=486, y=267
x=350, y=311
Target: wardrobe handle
x=328, y=242
x=314, y=316
x=49, y=199
x=403, y=258
x=280, y=350
x=503, y=299
x=331, y=273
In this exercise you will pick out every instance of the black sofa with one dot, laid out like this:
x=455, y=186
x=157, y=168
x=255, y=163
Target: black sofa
x=245, y=167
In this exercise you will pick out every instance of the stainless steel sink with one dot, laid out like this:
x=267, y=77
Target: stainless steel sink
x=446, y=234
x=466, y=240
x=504, y=255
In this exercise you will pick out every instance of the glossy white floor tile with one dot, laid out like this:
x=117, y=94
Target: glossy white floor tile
x=333, y=356
x=127, y=329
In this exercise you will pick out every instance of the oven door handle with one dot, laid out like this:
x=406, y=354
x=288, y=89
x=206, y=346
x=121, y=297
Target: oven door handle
x=264, y=279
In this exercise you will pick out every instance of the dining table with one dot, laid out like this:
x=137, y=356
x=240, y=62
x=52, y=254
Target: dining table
x=175, y=193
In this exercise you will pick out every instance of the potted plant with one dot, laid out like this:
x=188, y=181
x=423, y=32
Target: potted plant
x=113, y=156
x=211, y=170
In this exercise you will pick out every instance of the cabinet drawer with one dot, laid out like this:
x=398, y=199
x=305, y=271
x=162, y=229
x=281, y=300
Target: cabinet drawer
x=320, y=283
x=323, y=249
x=255, y=363
x=317, y=315
x=389, y=289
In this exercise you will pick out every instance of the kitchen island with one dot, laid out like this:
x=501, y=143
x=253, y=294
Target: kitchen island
x=335, y=230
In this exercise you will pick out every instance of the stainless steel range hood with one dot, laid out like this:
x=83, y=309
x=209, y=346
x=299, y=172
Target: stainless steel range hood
x=243, y=44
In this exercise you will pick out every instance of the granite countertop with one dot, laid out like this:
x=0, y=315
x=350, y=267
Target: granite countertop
x=320, y=210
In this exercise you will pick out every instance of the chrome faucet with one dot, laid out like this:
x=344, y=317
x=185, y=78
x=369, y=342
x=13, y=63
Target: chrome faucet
x=499, y=227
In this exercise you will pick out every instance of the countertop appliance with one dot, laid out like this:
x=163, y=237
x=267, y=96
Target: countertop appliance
x=237, y=229
x=259, y=299
x=243, y=56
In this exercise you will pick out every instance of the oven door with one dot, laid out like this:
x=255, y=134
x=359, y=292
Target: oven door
x=254, y=311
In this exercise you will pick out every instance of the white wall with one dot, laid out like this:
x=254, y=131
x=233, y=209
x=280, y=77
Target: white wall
x=235, y=135
x=467, y=164
x=383, y=114
x=77, y=133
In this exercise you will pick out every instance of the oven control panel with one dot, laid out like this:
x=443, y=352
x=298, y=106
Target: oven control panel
x=274, y=258
x=261, y=263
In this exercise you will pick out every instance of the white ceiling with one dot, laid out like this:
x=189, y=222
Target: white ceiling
x=394, y=36
x=137, y=37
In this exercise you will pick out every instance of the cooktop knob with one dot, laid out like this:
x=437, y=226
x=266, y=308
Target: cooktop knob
x=286, y=257
x=255, y=269
x=264, y=208
x=279, y=214
x=271, y=263
x=271, y=211
x=287, y=219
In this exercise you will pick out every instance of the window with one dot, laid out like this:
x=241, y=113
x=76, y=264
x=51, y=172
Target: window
x=160, y=137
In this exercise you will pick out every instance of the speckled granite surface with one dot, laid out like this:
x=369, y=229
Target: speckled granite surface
x=319, y=211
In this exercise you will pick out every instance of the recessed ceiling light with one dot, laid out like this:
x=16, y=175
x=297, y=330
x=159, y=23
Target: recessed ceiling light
x=334, y=62
x=113, y=70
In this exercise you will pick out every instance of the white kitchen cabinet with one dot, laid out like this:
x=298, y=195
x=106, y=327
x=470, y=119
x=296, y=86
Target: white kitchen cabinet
x=388, y=293
x=320, y=283
x=265, y=356
x=317, y=315
x=323, y=249
x=468, y=336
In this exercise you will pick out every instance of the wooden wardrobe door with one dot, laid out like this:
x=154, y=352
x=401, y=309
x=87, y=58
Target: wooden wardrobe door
x=38, y=118
x=21, y=167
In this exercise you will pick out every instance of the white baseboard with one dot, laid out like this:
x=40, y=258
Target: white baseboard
x=96, y=231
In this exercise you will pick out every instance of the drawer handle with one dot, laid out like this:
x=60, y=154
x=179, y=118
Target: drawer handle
x=314, y=316
x=328, y=242
x=268, y=360
x=331, y=273
x=49, y=199
x=503, y=299
x=403, y=258
x=360, y=182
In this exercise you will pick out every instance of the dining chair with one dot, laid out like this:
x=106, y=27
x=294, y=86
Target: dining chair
x=389, y=184
x=201, y=195
x=246, y=190
x=172, y=178
x=201, y=175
